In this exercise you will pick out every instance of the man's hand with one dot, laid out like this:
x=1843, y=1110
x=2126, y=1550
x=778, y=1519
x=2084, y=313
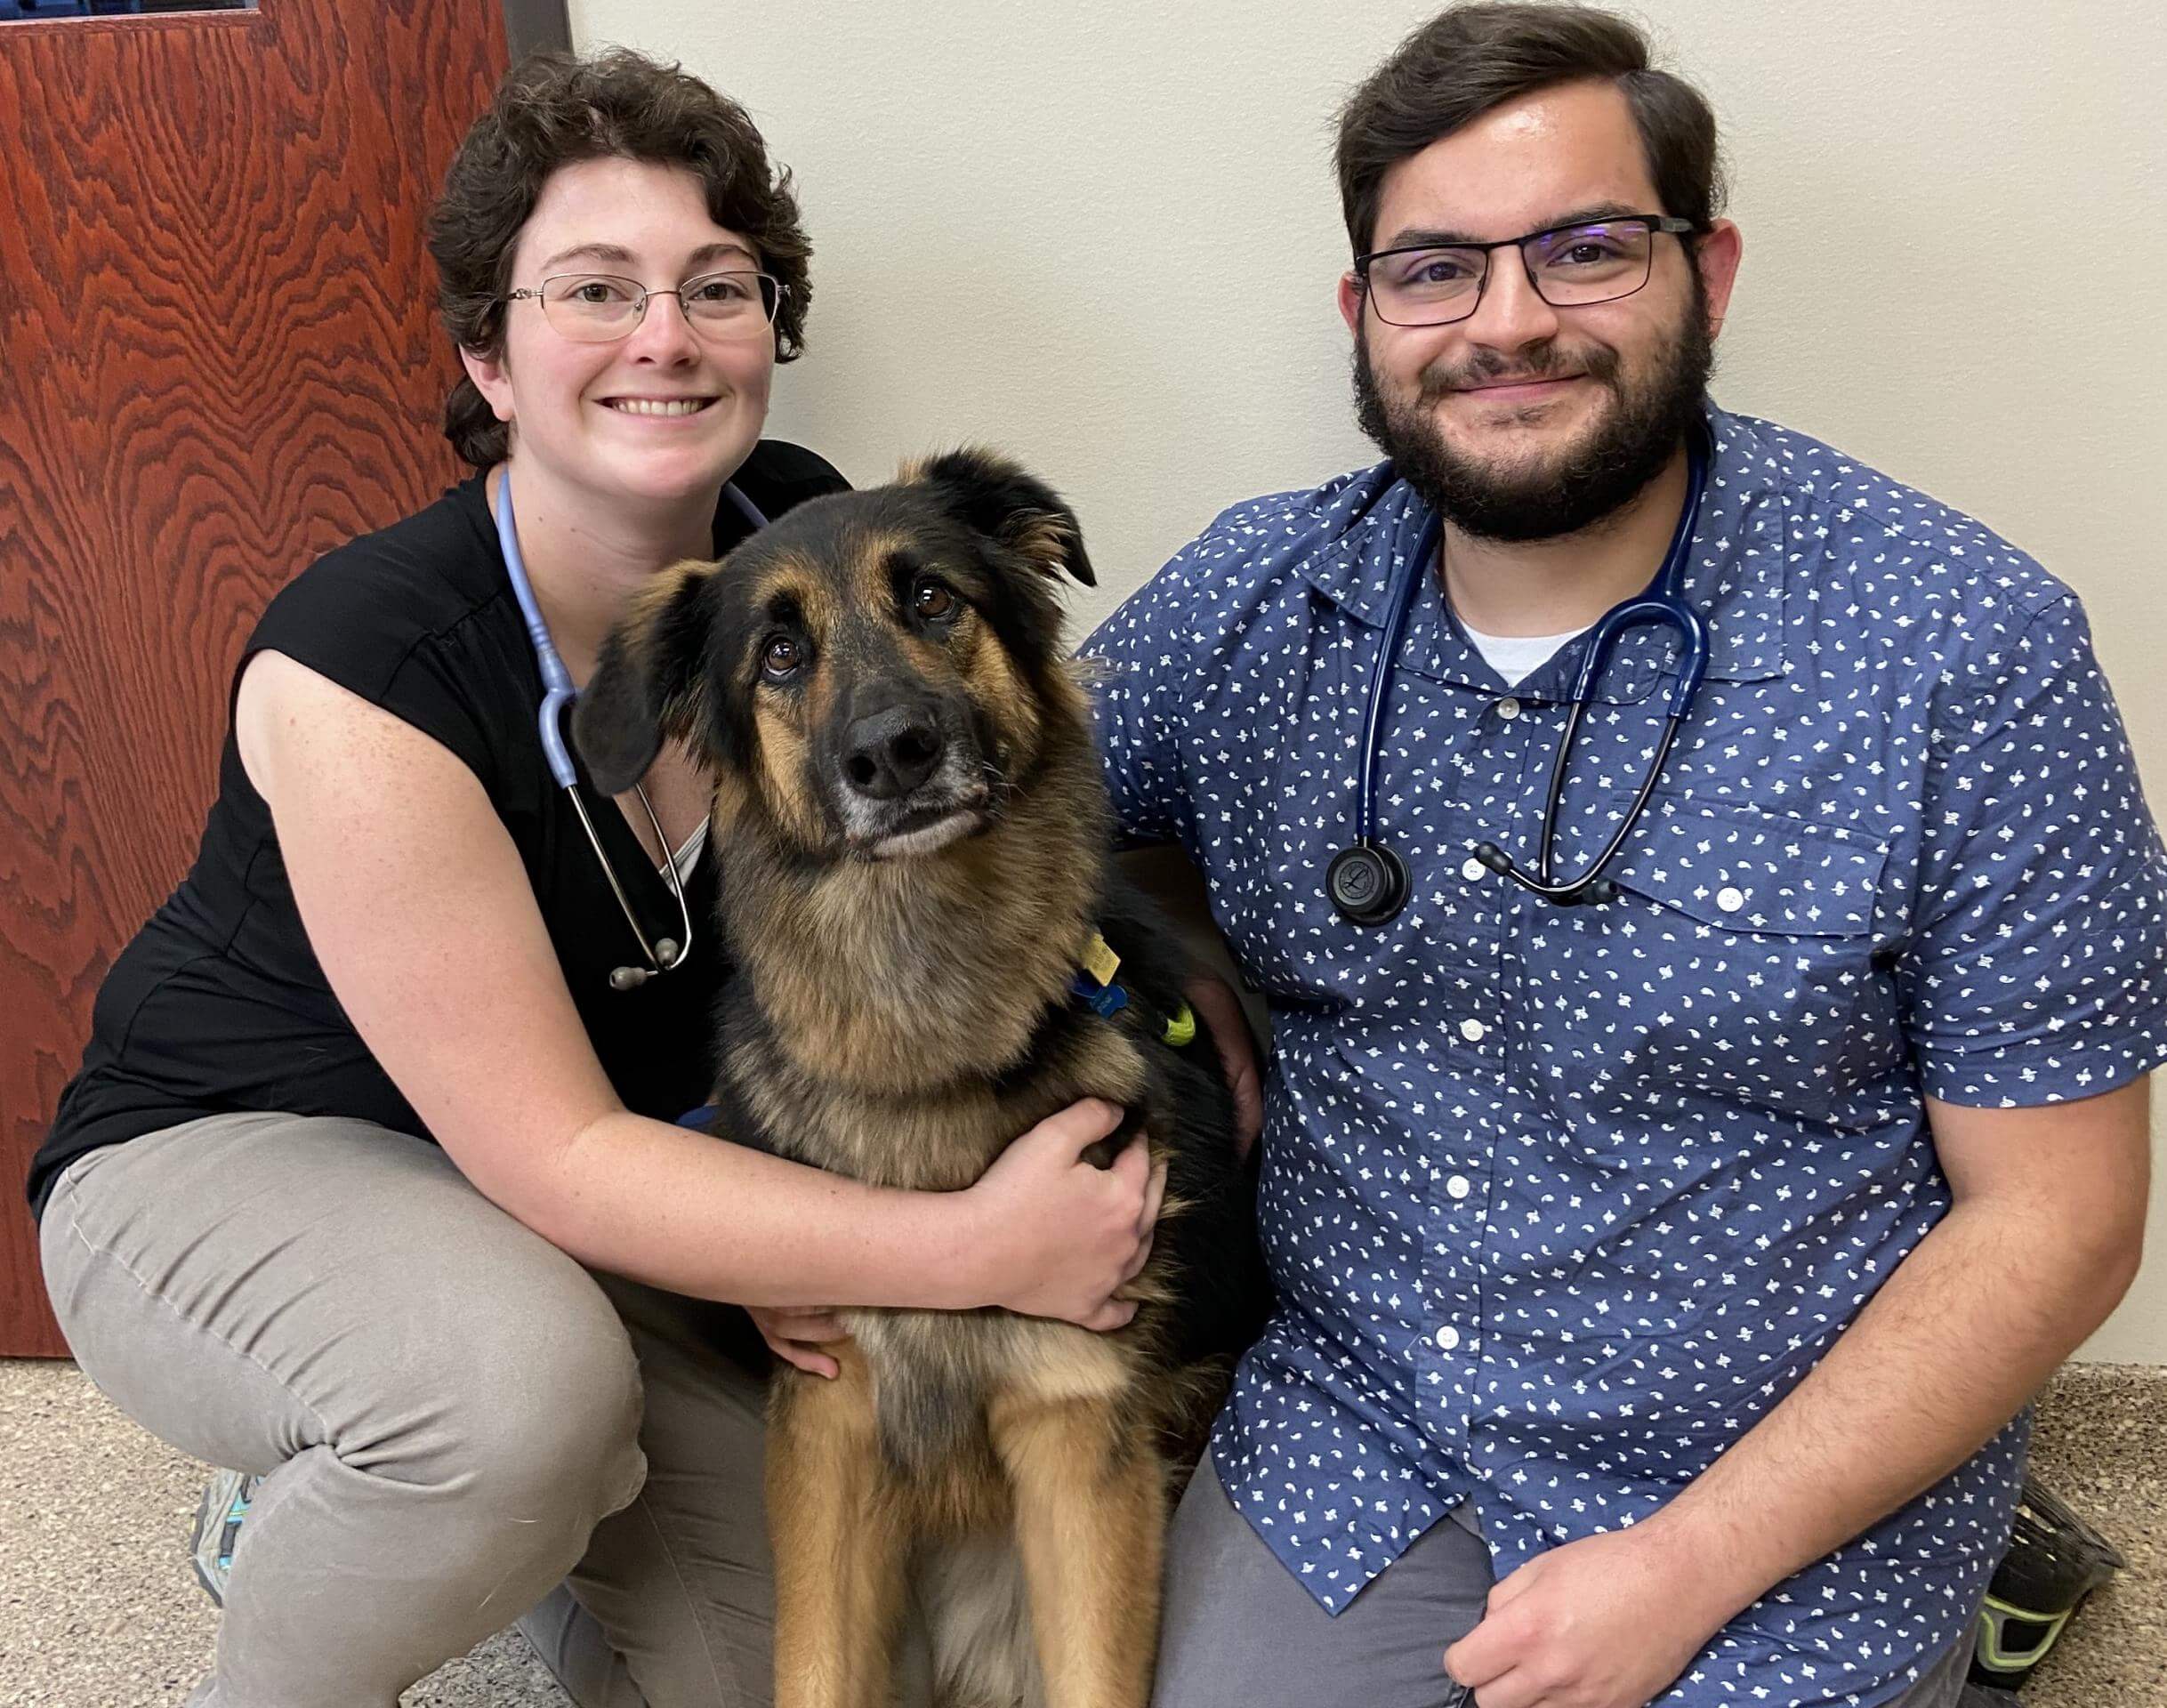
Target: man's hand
x=1608, y=1622
x=1222, y=1009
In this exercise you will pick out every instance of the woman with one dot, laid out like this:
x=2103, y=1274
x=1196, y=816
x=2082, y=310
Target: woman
x=369, y=1186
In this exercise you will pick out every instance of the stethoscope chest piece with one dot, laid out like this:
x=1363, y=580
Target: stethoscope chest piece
x=1367, y=883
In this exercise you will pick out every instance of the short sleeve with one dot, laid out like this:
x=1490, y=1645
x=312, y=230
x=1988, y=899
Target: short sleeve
x=390, y=640
x=2036, y=970
x=780, y=475
x=1139, y=662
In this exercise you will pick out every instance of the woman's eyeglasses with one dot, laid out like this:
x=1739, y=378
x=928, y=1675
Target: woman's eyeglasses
x=602, y=308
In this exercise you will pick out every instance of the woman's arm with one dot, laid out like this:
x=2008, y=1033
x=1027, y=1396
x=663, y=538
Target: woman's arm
x=419, y=909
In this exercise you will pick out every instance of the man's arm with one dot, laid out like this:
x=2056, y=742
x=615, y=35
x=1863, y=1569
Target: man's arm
x=2042, y=1237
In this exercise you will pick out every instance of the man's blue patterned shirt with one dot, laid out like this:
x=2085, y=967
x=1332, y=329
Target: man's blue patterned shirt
x=1561, y=1201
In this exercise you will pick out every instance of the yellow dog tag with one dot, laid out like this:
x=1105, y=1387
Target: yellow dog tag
x=1100, y=961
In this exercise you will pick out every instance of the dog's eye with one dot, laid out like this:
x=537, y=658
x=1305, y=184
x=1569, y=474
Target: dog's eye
x=931, y=598
x=781, y=656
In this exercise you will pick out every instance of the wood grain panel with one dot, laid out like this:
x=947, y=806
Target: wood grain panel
x=218, y=358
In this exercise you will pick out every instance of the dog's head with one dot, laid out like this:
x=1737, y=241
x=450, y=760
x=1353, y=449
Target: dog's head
x=870, y=677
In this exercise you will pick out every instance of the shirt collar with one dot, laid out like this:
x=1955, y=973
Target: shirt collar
x=1735, y=578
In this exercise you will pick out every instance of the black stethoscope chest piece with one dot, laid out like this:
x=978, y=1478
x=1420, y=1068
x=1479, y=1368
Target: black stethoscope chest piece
x=1367, y=883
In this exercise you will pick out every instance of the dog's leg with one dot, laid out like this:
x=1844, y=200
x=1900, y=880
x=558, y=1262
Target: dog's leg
x=1091, y=1520
x=839, y=1549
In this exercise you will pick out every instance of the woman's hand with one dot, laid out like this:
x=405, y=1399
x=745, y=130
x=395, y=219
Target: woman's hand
x=1222, y=1009
x=1057, y=1237
x=795, y=1333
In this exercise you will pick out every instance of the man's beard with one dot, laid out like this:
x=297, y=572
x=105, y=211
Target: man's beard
x=1628, y=450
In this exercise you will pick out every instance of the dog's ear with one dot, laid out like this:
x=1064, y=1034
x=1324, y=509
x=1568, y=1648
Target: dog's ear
x=648, y=682
x=992, y=496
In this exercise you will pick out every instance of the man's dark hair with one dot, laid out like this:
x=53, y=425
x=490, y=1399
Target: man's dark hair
x=1470, y=59
x=552, y=109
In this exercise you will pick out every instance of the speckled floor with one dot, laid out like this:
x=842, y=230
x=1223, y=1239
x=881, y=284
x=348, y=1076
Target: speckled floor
x=98, y=1610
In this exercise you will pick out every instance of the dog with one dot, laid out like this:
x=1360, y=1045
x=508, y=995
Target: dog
x=932, y=952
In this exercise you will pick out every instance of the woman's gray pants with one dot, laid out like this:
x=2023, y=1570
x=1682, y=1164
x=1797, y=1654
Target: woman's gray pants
x=445, y=1409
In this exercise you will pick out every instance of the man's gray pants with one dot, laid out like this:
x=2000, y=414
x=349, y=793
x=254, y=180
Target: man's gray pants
x=458, y=1425
x=1240, y=1631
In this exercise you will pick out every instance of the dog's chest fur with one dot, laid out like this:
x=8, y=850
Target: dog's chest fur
x=932, y=1381
x=934, y=1371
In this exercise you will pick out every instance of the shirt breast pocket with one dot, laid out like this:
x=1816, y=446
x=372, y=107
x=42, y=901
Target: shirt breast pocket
x=1737, y=961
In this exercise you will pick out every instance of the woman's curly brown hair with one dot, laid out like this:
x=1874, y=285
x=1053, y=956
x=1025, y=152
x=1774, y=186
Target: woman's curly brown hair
x=552, y=109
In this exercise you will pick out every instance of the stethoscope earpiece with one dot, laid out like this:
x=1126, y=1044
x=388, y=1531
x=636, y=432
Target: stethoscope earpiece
x=1368, y=884
x=1587, y=893
x=668, y=954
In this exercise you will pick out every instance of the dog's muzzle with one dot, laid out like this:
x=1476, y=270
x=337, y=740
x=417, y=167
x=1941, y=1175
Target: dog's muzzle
x=907, y=787
x=892, y=752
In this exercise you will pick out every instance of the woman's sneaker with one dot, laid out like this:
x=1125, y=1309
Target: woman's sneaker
x=218, y=1527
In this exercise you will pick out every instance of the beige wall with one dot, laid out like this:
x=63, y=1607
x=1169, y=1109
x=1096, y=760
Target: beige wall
x=1104, y=235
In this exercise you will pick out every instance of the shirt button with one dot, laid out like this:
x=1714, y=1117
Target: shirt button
x=1448, y=1337
x=1507, y=708
x=1473, y=869
x=1729, y=899
x=1472, y=1030
x=1457, y=1187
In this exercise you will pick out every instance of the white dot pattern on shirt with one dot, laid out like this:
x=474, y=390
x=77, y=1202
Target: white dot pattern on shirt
x=1899, y=849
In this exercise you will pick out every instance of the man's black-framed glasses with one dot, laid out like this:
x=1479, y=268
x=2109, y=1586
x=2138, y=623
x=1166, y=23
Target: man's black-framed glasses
x=1570, y=266
x=602, y=308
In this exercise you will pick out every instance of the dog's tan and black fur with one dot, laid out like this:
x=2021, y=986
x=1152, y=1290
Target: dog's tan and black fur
x=914, y=845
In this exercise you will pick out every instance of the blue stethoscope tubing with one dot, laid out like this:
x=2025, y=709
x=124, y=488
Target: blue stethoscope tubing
x=557, y=694
x=1368, y=882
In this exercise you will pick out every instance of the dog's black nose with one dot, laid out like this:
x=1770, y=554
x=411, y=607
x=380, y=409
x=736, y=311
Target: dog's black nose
x=889, y=754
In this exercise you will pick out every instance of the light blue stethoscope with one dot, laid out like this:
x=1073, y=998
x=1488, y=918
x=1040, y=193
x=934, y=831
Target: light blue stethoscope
x=557, y=693
x=1368, y=882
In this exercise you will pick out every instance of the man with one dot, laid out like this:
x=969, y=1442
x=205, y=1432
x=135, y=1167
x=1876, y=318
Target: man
x=1660, y=1274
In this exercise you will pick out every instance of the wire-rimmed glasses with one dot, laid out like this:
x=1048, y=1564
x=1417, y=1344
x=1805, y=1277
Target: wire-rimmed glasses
x=602, y=308
x=1570, y=266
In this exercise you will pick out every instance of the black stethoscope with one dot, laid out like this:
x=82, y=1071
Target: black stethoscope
x=1368, y=882
x=662, y=953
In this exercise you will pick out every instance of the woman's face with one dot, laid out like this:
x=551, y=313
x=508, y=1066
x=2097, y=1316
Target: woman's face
x=587, y=412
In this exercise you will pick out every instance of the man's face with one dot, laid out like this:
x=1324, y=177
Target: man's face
x=1526, y=421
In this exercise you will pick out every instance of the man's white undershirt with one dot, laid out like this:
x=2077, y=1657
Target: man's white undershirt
x=1518, y=656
